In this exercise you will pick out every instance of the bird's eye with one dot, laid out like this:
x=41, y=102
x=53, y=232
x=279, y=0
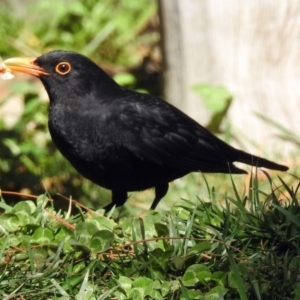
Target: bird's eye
x=63, y=68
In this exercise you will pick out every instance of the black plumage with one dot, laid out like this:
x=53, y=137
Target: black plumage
x=124, y=140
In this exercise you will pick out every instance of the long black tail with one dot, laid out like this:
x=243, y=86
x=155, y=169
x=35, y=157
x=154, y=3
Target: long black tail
x=260, y=162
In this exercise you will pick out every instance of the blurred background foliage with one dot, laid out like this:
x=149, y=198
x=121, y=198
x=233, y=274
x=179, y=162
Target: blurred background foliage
x=120, y=35
x=111, y=31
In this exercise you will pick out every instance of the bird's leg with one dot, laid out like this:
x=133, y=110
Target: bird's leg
x=160, y=191
x=118, y=199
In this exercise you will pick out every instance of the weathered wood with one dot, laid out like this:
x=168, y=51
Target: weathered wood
x=250, y=47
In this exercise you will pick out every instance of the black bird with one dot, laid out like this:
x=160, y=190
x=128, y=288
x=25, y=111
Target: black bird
x=121, y=139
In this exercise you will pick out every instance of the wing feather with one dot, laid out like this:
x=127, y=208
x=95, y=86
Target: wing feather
x=157, y=132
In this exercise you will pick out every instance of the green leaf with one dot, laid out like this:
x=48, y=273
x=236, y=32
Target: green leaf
x=25, y=240
x=161, y=229
x=28, y=207
x=144, y=286
x=24, y=218
x=103, y=223
x=126, y=284
x=42, y=236
x=14, y=240
x=204, y=276
x=219, y=277
x=120, y=296
x=195, y=294
x=101, y=241
x=79, y=268
x=216, y=293
x=142, y=282
x=165, y=288
x=215, y=98
x=137, y=294
x=153, y=290
x=10, y=222
x=178, y=262
x=84, y=232
x=24, y=212
x=154, y=294
x=190, y=277
x=125, y=79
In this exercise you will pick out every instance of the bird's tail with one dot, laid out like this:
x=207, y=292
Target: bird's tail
x=259, y=162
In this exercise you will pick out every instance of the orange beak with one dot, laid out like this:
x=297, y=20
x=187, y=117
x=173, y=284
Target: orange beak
x=24, y=65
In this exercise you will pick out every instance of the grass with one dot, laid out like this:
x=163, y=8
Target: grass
x=246, y=248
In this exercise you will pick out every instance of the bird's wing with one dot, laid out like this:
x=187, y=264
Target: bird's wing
x=157, y=132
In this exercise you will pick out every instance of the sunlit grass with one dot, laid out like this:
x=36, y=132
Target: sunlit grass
x=239, y=243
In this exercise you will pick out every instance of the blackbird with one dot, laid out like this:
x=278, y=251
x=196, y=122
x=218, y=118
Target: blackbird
x=121, y=139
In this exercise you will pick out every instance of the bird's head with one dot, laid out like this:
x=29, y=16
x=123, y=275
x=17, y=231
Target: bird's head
x=65, y=73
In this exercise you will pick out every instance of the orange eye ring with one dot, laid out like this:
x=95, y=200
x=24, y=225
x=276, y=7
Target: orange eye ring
x=63, y=68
